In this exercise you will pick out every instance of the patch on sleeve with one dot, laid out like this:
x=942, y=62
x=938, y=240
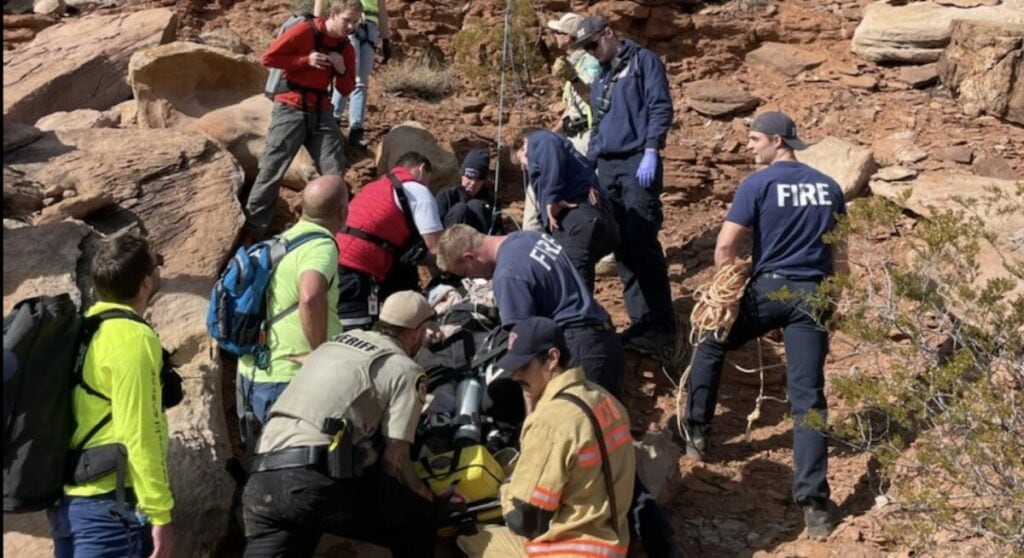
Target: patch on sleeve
x=421, y=388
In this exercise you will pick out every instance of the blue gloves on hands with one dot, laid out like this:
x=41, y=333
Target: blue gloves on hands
x=648, y=167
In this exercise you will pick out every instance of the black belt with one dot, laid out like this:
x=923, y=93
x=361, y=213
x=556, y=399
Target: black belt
x=773, y=275
x=605, y=326
x=370, y=237
x=291, y=458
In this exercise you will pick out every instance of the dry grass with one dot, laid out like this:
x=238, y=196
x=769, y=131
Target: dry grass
x=417, y=78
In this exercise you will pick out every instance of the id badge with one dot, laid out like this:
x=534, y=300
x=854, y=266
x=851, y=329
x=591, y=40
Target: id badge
x=373, y=302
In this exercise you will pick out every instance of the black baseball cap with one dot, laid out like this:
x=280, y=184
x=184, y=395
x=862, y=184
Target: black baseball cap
x=778, y=124
x=590, y=27
x=476, y=163
x=529, y=338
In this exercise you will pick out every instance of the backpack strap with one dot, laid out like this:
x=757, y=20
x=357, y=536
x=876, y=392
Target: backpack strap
x=606, y=467
x=290, y=246
x=403, y=202
x=370, y=237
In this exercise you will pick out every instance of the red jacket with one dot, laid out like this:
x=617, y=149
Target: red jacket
x=290, y=52
x=373, y=210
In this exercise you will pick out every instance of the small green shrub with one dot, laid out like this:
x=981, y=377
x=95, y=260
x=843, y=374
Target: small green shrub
x=478, y=51
x=942, y=411
x=417, y=78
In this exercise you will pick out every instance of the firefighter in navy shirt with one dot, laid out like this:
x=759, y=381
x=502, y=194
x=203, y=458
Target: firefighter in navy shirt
x=570, y=203
x=787, y=206
x=532, y=276
x=632, y=114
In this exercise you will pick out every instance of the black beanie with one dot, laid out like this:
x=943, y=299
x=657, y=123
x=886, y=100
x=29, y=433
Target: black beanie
x=476, y=163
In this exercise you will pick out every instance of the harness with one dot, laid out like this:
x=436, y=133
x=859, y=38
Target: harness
x=619, y=63
x=415, y=239
x=319, y=94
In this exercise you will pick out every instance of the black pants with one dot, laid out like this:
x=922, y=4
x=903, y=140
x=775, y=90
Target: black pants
x=588, y=234
x=600, y=353
x=473, y=213
x=287, y=511
x=640, y=258
x=806, y=341
x=355, y=287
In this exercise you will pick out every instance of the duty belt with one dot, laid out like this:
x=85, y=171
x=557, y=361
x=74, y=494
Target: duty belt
x=774, y=275
x=291, y=458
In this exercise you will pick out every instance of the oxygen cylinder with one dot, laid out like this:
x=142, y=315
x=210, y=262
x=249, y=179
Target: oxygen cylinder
x=469, y=398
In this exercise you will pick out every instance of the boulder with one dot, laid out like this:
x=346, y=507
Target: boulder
x=177, y=83
x=225, y=38
x=789, y=60
x=898, y=148
x=49, y=7
x=412, y=136
x=22, y=197
x=718, y=98
x=956, y=154
x=848, y=164
x=74, y=120
x=242, y=130
x=995, y=167
x=983, y=67
x=180, y=189
x=919, y=77
x=42, y=261
x=19, y=135
x=934, y=192
x=919, y=31
x=86, y=63
x=894, y=173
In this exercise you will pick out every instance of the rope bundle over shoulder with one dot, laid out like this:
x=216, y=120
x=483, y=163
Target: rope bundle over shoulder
x=717, y=306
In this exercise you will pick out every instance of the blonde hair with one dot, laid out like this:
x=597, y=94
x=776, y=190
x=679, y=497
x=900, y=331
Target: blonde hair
x=339, y=6
x=455, y=242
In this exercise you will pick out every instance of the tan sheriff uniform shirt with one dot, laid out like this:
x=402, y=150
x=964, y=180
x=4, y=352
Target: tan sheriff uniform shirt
x=361, y=376
x=559, y=470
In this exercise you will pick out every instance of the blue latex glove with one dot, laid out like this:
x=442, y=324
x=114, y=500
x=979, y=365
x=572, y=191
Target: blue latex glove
x=648, y=167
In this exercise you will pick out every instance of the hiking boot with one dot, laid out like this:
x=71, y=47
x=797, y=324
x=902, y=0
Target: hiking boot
x=651, y=343
x=816, y=519
x=632, y=331
x=697, y=444
x=355, y=138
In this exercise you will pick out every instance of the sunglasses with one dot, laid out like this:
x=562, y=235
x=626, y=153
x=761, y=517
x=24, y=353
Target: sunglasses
x=592, y=45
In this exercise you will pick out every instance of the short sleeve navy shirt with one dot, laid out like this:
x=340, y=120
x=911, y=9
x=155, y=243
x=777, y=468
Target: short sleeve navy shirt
x=790, y=206
x=534, y=277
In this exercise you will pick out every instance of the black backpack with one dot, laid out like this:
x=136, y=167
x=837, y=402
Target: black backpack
x=45, y=343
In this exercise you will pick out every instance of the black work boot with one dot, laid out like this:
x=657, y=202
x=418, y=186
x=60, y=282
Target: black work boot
x=355, y=138
x=816, y=518
x=697, y=440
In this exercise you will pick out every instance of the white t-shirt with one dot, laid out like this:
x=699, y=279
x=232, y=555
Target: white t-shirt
x=423, y=205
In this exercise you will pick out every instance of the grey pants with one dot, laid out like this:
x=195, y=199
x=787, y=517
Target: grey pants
x=290, y=129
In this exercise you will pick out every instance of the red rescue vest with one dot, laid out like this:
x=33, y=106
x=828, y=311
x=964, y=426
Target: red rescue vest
x=373, y=210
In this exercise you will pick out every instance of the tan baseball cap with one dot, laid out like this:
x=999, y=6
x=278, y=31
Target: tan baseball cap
x=406, y=309
x=566, y=24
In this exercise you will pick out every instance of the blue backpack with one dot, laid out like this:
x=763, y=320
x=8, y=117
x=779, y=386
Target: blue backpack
x=237, y=318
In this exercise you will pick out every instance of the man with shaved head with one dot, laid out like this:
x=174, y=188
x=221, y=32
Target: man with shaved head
x=303, y=297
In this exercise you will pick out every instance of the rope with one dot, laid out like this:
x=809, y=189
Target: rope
x=716, y=308
x=501, y=110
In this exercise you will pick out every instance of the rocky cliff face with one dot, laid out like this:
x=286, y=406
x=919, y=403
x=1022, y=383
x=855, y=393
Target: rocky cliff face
x=165, y=146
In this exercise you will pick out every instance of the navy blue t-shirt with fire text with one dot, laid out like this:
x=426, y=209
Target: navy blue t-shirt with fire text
x=790, y=206
x=534, y=277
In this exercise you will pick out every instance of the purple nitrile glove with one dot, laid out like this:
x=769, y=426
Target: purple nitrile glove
x=648, y=167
